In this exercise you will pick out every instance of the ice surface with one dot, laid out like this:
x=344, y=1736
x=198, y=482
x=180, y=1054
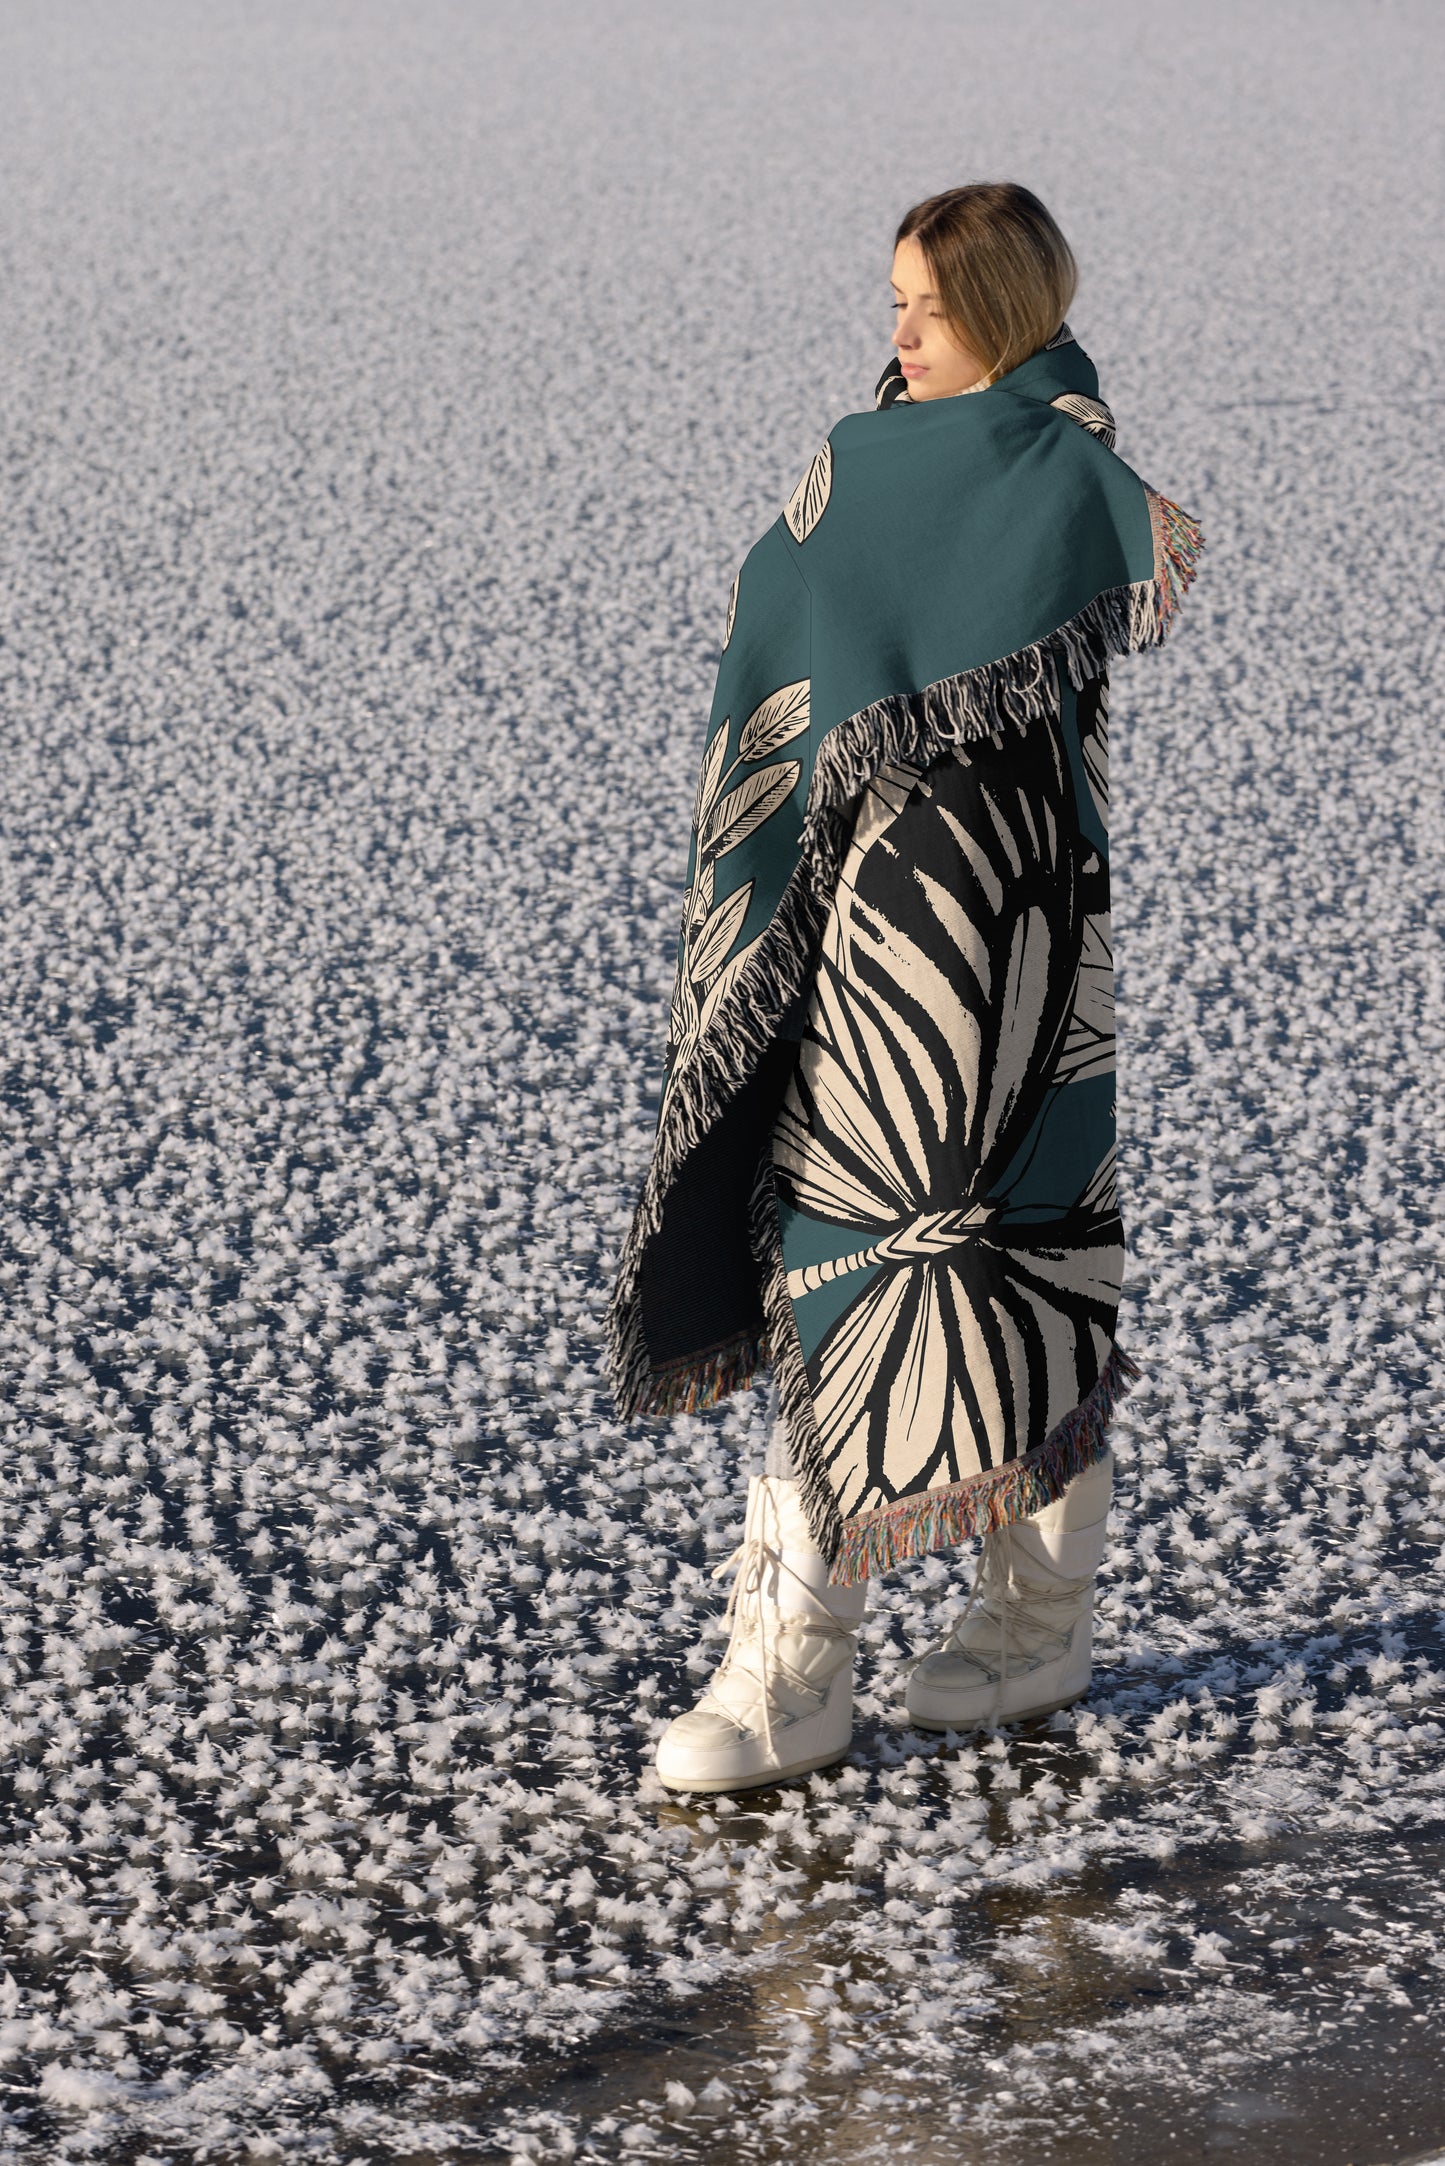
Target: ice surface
x=389, y=395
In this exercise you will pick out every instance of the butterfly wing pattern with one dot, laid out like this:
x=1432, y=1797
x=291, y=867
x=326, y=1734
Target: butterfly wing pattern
x=943, y=1159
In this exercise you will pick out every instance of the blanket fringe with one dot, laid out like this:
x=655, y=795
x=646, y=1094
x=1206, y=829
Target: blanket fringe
x=873, y=1542
x=735, y=1041
x=691, y=1386
x=916, y=728
x=1177, y=544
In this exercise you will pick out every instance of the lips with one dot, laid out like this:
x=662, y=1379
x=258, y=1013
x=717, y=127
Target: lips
x=913, y=368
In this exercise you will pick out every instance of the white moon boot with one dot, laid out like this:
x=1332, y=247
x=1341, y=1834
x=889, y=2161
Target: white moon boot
x=781, y=1699
x=1024, y=1644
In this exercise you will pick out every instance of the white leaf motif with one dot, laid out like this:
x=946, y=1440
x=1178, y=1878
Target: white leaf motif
x=699, y=899
x=746, y=807
x=725, y=983
x=782, y=716
x=1091, y=414
x=722, y=928
x=709, y=775
x=684, y=1007
x=808, y=502
x=732, y=609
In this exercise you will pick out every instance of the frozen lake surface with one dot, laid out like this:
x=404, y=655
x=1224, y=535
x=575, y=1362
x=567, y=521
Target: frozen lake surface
x=389, y=396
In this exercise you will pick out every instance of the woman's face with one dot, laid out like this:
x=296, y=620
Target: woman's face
x=934, y=361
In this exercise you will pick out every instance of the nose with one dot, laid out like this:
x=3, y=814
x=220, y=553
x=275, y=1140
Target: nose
x=903, y=335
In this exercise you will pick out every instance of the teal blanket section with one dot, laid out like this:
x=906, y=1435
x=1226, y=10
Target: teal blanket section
x=918, y=607
x=807, y=1240
x=1060, y=1155
x=959, y=532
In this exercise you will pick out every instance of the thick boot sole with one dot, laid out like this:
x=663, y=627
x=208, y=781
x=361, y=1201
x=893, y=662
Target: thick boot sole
x=962, y=1725
x=718, y=1785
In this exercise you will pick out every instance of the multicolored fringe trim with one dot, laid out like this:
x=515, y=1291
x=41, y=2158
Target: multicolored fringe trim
x=875, y=1541
x=1177, y=543
x=701, y=1380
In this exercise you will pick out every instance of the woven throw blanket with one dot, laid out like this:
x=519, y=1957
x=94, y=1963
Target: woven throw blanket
x=884, y=1158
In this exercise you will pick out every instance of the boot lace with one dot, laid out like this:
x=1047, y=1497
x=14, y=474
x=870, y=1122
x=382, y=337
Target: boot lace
x=996, y=1594
x=753, y=1559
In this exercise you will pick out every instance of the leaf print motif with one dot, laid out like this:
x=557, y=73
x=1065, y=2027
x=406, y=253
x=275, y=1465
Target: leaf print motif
x=808, y=502
x=684, y=1010
x=726, y=980
x=710, y=775
x=943, y=995
x=719, y=930
x=1091, y=414
x=782, y=716
x=732, y=608
x=1089, y=1047
x=754, y=800
x=704, y=977
x=1094, y=742
x=947, y=989
x=699, y=900
x=1102, y=1193
x=935, y=1373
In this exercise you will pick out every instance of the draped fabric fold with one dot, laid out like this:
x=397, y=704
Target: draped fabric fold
x=885, y=1145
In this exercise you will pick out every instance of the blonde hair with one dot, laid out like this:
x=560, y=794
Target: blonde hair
x=1003, y=272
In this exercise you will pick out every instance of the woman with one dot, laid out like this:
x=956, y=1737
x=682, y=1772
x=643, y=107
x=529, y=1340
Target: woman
x=884, y=1161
